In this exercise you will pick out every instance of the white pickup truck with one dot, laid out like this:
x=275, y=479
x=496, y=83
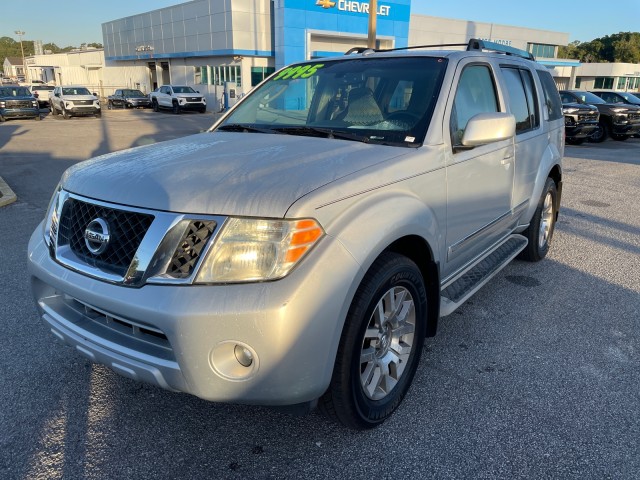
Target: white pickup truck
x=177, y=98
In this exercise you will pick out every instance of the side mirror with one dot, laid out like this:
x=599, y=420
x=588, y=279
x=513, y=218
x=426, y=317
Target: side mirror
x=57, y=94
x=486, y=128
x=94, y=94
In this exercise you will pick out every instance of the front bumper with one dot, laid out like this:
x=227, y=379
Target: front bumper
x=183, y=337
x=138, y=103
x=19, y=112
x=192, y=106
x=80, y=110
x=626, y=128
x=580, y=130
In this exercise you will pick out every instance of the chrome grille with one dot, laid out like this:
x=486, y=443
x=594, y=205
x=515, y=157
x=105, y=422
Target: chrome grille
x=588, y=117
x=190, y=248
x=634, y=117
x=83, y=102
x=127, y=230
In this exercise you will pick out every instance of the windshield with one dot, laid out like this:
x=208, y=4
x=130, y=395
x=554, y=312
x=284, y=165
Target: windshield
x=377, y=100
x=133, y=93
x=588, y=97
x=629, y=97
x=15, y=92
x=75, y=91
x=183, y=90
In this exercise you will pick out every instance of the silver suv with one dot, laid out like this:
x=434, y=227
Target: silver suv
x=299, y=252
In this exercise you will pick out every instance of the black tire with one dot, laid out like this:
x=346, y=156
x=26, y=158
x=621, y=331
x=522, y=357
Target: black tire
x=600, y=134
x=203, y=110
x=65, y=113
x=540, y=230
x=352, y=398
x=175, y=108
x=53, y=110
x=2, y=119
x=575, y=141
x=99, y=114
x=154, y=105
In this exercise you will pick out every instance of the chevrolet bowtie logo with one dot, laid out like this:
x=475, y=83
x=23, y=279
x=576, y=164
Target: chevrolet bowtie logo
x=325, y=3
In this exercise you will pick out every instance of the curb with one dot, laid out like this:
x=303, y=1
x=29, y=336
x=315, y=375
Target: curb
x=6, y=194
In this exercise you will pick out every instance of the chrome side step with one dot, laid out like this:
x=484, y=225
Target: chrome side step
x=455, y=292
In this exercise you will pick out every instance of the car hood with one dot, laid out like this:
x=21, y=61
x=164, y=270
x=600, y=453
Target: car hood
x=78, y=97
x=223, y=173
x=17, y=97
x=185, y=95
x=580, y=106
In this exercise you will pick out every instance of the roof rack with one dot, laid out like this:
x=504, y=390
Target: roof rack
x=474, y=44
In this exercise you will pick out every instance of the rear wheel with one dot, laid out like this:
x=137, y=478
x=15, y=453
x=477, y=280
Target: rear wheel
x=380, y=345
x=542, y=224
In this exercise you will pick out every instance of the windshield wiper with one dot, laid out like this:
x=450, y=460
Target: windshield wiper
x=239, y=127
x=323, y=132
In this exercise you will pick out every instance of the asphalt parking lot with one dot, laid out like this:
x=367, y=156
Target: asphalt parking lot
x=537, y=376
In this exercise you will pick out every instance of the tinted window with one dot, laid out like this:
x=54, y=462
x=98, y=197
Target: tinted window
x=521, y=98
x=475, y=94
x=551, y=97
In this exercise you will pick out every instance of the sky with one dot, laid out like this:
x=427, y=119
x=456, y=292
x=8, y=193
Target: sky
x=72, y=22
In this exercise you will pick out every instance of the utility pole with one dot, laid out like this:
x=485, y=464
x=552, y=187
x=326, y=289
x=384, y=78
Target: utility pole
x=373, y=15
x=20, y=33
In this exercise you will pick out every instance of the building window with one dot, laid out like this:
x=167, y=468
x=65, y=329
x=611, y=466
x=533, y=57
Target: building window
x=218, y=75
x=260, y=73
x=604, y=82
x=578, y=81
x=542, y=50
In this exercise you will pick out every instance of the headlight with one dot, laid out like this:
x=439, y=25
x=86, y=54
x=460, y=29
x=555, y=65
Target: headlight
x=249, y=250
x=50, y=226
x=618, y=110
x=68, y=104
x=181, y=100
x=569, y=110
x=3, y=104
x=34, y=103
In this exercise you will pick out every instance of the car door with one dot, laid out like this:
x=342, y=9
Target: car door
x=118, y=99
x=479, y=179
x=165, y=96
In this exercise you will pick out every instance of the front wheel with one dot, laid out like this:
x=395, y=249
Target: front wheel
x=176, y=108
x=380, y=345
x=154, y=105
x=542, y=224
x=109, y=105
x=65, y=113
x=600, y=133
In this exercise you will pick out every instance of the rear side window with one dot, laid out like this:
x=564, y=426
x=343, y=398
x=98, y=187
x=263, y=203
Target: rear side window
x=522, y=98
x=476, y=94
x=551, y=96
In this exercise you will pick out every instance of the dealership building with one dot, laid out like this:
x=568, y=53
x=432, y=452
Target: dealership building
x=219, y=45
x=214, y=44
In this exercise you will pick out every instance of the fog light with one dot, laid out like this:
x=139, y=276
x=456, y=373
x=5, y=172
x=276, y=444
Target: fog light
x=243, y=355
x=234, y=360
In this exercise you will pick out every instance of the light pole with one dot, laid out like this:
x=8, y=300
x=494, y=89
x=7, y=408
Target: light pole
x=373, y=13
x=20, y=33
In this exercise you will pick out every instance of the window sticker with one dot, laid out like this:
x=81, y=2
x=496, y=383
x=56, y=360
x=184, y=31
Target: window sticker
x=299, y=71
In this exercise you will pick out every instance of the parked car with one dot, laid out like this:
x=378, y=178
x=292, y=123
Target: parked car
x=299, y=252
x=580, y=120
x=617, y=121
x=128, y=98
x=71, y=101
x=177, y=98
x=17, y=102
x=42, y=92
